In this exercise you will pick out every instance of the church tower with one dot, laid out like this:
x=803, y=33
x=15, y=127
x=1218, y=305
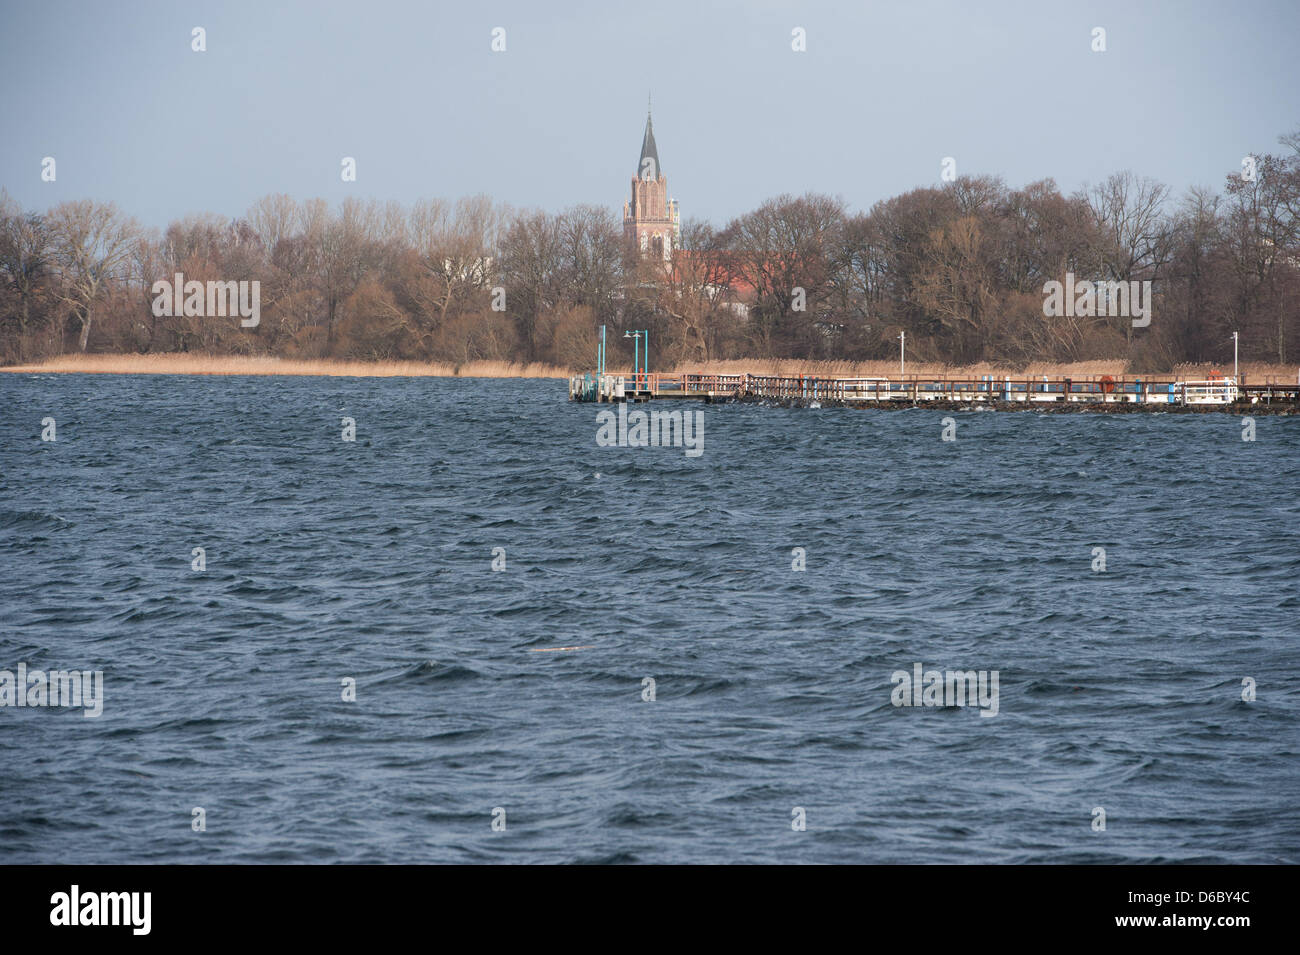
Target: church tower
x=651, y=220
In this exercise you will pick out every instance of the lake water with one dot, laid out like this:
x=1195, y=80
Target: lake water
x=328, y=561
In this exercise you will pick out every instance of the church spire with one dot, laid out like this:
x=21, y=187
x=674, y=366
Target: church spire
x=648, y=166
x=650, y=219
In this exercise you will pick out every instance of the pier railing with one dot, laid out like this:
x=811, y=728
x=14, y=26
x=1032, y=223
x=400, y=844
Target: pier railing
x=645, y=386
x=1211, y=391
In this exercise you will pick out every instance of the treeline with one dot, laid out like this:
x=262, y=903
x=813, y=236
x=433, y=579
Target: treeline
x=960, y=268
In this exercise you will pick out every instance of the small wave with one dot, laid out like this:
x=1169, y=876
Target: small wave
x=28, y=521
x=431, y=671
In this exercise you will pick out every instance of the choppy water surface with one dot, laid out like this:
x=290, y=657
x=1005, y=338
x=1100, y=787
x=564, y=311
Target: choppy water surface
x=372, y=560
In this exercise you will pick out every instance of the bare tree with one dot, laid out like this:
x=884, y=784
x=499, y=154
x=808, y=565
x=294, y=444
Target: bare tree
x=591, y=250
x=693, y=291
x=24, y=259
x=530, y=264
x=1131, y=212
x=956, y=287
x=149, y=264
x=1263, y=242
x=454, y=246
x=783, y=250
x=92, y=244
x=274, y=218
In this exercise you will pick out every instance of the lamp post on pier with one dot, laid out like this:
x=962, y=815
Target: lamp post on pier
x=639, y=365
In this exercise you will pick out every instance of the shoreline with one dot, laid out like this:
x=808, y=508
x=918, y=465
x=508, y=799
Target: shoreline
x=187, y=363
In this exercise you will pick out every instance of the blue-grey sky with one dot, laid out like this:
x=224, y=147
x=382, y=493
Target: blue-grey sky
x=415, y=93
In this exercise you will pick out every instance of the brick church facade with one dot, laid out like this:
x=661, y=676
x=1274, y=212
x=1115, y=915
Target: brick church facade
x=651, y=220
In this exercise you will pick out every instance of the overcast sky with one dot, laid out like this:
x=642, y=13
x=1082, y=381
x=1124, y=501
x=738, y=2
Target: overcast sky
x=415, y=93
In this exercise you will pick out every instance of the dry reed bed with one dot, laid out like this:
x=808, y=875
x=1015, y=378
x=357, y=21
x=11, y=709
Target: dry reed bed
x=192, y=364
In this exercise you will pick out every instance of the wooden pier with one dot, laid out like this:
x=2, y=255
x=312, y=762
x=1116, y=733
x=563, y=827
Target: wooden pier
x=914, y=389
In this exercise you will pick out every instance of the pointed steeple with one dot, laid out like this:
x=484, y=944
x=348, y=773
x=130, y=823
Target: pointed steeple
x=649, y=151
x=651, y=221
